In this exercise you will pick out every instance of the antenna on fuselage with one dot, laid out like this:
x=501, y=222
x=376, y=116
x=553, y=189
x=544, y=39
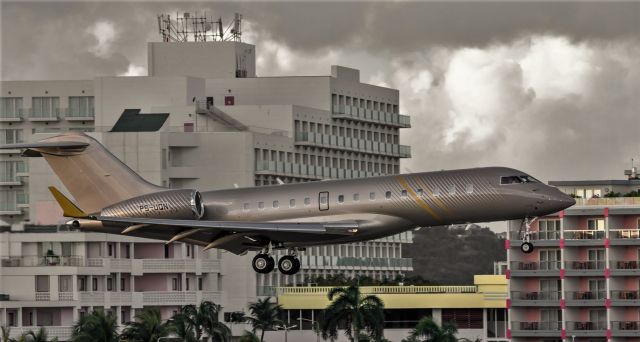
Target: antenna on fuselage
x=280, y=181
x=235, y=185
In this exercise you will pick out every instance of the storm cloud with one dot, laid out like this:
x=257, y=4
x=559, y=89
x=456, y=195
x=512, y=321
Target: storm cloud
x=550, y=88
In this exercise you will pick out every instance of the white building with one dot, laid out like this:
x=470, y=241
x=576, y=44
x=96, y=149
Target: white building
x=222, y=130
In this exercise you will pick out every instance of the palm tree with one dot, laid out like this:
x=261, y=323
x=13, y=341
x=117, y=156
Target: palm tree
x=202, y=319
x=5, y=331
x=348, y=306
x=264, y=315
x=427, y=330
x=40, y=336
x=97, y=326
x=182, y=327
x=148, y=327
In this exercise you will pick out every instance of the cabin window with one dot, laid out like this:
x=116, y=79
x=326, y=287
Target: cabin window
x=403, y=193
x=307, y=201
x=340, y=198
x=292, y=203
x=506, y=180
x=276, y=204
x=452, y=189
x=246, y=206
x=387, y=195
x=469, y=188
x=260, y=205
x=356, y=197
x=420, y=192
x=436, y=191
x=372, y=196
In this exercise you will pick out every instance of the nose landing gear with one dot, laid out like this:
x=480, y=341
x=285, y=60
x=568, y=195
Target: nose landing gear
x=526, y=246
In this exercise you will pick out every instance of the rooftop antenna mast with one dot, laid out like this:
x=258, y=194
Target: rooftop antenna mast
x=194, y=27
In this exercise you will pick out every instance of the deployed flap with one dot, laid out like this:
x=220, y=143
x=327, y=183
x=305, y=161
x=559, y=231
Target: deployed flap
x=36, y=149
x=346, y=228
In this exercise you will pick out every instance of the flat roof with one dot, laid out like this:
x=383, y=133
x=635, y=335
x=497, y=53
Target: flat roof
x=596, y=182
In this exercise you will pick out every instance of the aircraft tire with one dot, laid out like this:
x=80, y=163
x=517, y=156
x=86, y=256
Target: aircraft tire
x=263, y=263
x=526, y=247
x=288, y=265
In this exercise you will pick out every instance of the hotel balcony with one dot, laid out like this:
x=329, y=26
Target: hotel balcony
x=585, y=298
x=586, y=328
x=584, y=237
x=546, y=298
x=622, y=237
x=9, y=209
x=370, y=115
x=10, y=180
x=12, y=116
x=584, y=267
x=625, y=328
x=79, y=115
x=52, y=115
x=352, y=144
x=625, y=298
x=608, y=201
x=540, y=238
x=333, y=262
x=624, y=267
x=535, y=268
x=536, y=329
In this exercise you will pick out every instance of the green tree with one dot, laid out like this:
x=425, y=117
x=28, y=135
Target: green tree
x=264, y=316
x=39, y=336
x=248, y=336
x=182, y=327
x=202, y=319
x=5, y=332
x=355, y=311
x=147, y=327
x=427, y=330
x=97, y=326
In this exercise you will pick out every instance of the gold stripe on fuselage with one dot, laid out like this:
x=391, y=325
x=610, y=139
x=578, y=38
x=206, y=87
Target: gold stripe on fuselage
x=403, y=183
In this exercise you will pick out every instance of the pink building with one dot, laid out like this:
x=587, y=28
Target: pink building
x=582, y=280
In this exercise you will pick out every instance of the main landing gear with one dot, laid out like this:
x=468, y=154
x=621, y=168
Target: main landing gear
x=526, y=246
x=264, y=263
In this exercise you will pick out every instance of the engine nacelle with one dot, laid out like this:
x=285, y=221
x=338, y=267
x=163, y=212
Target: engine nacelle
x=171, y=204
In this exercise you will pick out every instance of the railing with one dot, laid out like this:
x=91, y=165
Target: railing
x=53, y=113
x=34, y=260
x=91, y=297
x=63, y=333
x=381, y=289
x=608, y=201
x=534, y=326
x=70, y=113
x=353, y=144
x=371, y=115
x=587, y=295
x=43, y=296
x=22, y=198
x=625, y=295
x=168, y=297
x=624, y=233
x=18, y=113
x=584, y=234
x=546, y=295
x=625, y=325
x=538, y=235
x=266, y=291
x=585, y=265
x=536, y=266
x=624, y=264
x=578, y=325
x=178, y=265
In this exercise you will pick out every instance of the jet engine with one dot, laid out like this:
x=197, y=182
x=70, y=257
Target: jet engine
x=172, y=204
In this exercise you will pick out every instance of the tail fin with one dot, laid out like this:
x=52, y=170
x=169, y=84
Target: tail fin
x=93, y=176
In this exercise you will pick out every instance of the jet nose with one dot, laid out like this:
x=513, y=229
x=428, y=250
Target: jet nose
x=561, y=200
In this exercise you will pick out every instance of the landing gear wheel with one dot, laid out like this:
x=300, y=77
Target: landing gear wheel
x=288, y=265
x=263, y=263
x=526, y=247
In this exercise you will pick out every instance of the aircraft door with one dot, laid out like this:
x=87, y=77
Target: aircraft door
x=323, y=200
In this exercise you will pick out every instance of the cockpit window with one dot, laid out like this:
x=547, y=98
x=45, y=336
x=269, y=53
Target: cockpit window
x=505, y=180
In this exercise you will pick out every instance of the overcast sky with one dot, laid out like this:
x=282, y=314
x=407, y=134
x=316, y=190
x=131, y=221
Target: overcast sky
x=550, y=88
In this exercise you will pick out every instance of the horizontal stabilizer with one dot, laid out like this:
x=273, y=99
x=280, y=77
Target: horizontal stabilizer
x=69, y=209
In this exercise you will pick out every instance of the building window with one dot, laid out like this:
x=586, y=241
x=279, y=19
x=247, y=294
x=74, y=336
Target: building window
x=122, y=317
x=80, y=106
x=307, y=201
x=187, y=284
x=340, y=198
x=65, y=283
x=276, y=204
x=82, y=284
x=10, y=136
x=464, y=318
x=42, y=283
x=595, y=224
x=94, y=284
x=10, y=107
x=109, y=284
x=122, y=284
x=387, y=195
x=45, y=107
x=199, y=284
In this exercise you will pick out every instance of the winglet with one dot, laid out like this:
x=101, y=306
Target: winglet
x=69, y=209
